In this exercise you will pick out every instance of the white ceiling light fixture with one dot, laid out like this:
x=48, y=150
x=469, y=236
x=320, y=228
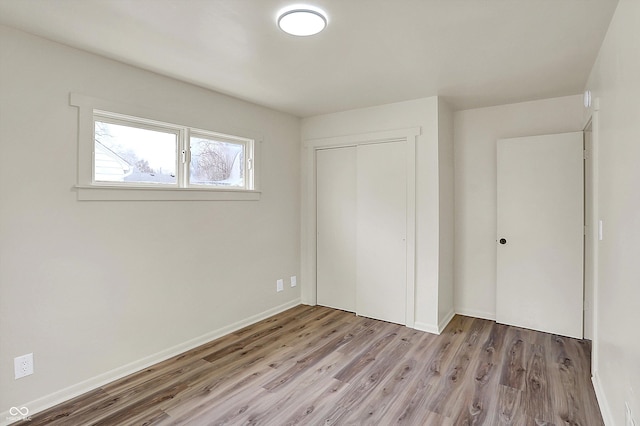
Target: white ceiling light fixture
x=302, y=20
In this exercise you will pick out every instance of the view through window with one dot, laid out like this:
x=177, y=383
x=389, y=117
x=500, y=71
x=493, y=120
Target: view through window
x=130, y=151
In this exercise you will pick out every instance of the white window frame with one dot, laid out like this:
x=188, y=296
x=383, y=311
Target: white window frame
x=94, y=109
x=140, y=123
x=249, y=159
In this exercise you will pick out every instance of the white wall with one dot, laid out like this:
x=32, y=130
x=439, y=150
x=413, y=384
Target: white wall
x=475, y=134
x=615, y=83
x=422, y=113
x=446, y=214
x=90, y=287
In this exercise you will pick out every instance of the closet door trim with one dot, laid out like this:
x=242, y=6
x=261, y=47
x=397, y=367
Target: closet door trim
x=309, y=231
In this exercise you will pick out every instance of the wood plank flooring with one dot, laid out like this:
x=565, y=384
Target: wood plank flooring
x=313, y=365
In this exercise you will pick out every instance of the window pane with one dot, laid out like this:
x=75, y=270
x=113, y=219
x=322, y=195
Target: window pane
x=134, y=155
x=217, y=163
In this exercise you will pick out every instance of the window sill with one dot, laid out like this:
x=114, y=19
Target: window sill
x=112, y=193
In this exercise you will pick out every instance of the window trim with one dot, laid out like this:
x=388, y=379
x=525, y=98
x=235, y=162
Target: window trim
x=249, y=158
x=89, y=190
x=144, y=124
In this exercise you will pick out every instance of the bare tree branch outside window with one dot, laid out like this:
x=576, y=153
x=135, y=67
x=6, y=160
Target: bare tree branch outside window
x=213, y=161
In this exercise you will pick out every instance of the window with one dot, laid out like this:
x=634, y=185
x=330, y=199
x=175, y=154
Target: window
x=132, y=151
x=123, y=156
x=134, y=155
x=217, y=161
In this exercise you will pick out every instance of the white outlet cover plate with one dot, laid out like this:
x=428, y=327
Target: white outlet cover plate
x=279, y=285
x=23, y=365
x=294, y=281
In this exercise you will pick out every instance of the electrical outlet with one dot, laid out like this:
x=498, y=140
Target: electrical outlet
x=279, y=285
x=294, y=281
x=23, y=365
x=628, y=417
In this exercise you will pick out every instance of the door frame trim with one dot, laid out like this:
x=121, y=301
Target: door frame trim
x=309, y=229
x=592, y=124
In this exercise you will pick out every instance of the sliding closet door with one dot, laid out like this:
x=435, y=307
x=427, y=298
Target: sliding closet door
x=336, y=227
x=381, y=213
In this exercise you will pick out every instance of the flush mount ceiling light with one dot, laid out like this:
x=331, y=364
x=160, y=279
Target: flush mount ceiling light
x=302, y=20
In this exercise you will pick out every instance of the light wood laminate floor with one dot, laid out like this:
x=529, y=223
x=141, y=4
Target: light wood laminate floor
x=319, y=366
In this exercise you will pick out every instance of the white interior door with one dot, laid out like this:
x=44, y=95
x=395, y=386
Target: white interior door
x=540, y=233
x=336, y=227
x=382, y=231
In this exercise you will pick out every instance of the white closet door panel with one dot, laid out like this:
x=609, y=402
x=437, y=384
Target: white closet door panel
x=381, y=231
x=336, y=227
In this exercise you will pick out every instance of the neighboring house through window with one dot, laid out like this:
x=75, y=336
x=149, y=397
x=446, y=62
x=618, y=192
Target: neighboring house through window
x=109, y=166
x=137, y=154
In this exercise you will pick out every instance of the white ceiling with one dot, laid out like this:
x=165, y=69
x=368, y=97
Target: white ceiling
x=472, y=52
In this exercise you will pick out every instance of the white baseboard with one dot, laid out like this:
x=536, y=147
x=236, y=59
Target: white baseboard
x=423, y=326
x=602, y=400
x=446, y=320
x=476, y=314
x=432, y=328
x=78, y=389
x=437, y=329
